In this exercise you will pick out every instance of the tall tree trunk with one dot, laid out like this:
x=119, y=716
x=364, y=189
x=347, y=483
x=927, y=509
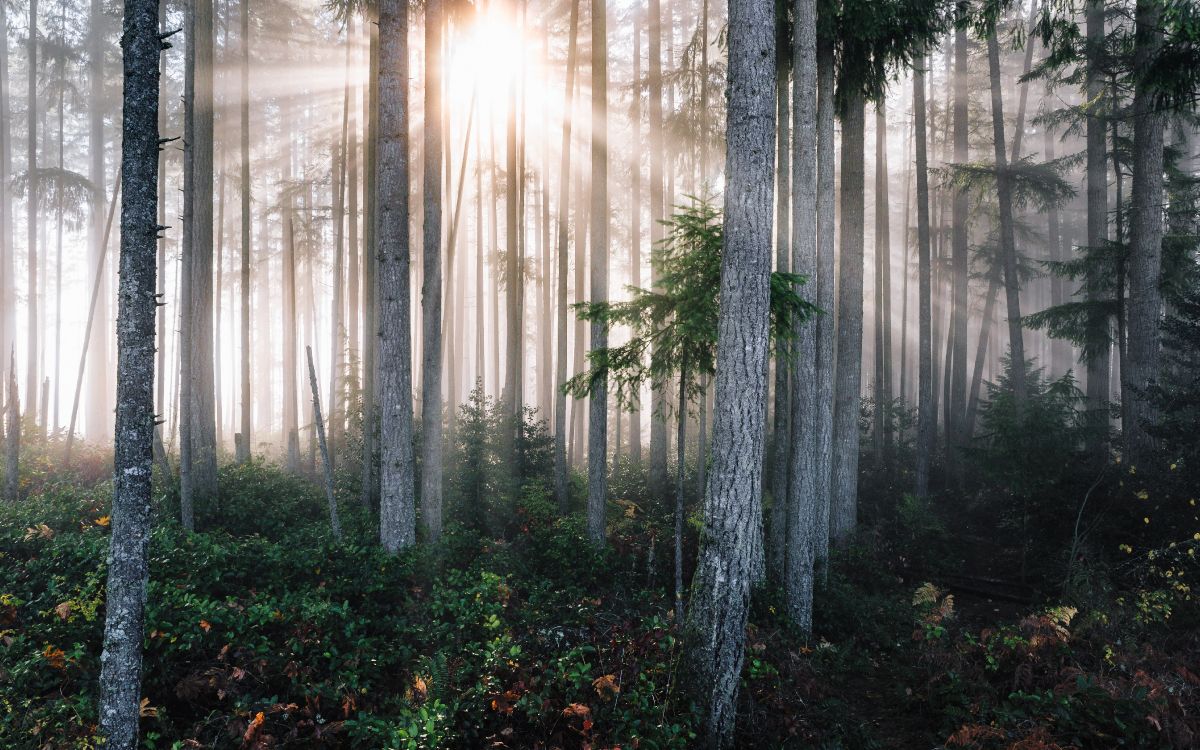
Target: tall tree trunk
x=128, y=559
x=1008, y=250
x=780, y=439
x=31, y=224
x=925, y=407
x=202, y=425
x=826, y=328
x=12, y=434
x=847, y=397
x=564, y=187
x=334, y=523
x=397, y=527
x=680, y=471
x=635, y=209
x=431, y=287
x=370, y=361
x=658, y=425
x=960, y=264
x=1145, y=233
x=245, y=446
x=732, y=537
x=514, y=286
x=186, y=377
x=801, y=521
x=58, y=242
x=1099, y=325
x=8, y=279
x=883, y=249
x=598, y=400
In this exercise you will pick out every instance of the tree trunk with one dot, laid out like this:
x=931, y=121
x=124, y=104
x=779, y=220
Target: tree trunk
x=635, y=209
x=680, y=471
x=960, y=263
x=801, y=521
x=883, y=249
x=847, y=398
x=925, y=407
x=826, y=328
x=397, y=528
x=1145, y=234
x=658, y=424
x=431, y=287
x=732, y=536
x=370, y=360
x=1008, y=250
x=128, y=559
x=319, y=423
x=8, y=279
x=244, y=137
x=598, y=400
x=31, y=225
x=780, y=463
x=200, y=353
x=564, y=187
x=12, y=434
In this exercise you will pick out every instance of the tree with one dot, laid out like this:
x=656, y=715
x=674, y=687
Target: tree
x=801, y=521
x=1141, y=362
x=99, y=387
x=397, y=527
x=598, y=401
x=925, y=408
x=128, y=563
x=245, y=445
x=31, y=213
x=431, y=288
x=8, y=301
x=654, y=109
x=12, y=434
x=733, y=502
x=1097, y=213
x=673, y=332
x=564, y=191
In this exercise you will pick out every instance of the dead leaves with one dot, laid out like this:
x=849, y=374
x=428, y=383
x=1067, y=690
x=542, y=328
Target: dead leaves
x=41, y=531
x=606, y=687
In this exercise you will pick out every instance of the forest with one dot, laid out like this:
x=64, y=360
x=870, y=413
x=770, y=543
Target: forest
x=574, y=375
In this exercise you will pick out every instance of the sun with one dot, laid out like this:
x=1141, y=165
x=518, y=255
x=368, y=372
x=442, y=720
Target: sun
x=489, y=61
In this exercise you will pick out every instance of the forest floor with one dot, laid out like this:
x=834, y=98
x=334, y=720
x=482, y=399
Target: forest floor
x=261, y=632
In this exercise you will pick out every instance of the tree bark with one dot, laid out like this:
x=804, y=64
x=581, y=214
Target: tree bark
x=319, y=423
x=654, y=108
x=397, y=528
x=598, y=400
x=847, y=397
x=1141, y=362
x=31, y=224
x=564, y=188
x=925, y=406
x=733, y=506
x=244, y=138
x=826, y=328
x=128, y=563
x=781, y=460
x=12, y=433
x=959, y=261
x=802, y=517
x=1008, y=250
x=431, y=288
x=8, y=279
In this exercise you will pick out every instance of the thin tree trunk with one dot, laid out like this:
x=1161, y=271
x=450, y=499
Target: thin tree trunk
x=960, y=266
x=1098, y=366
x=31, y=223
x=883, y=242
x=1145, y=234
x=334, y=523
x=598, y=400
x=847, y=397
x=8, y=279
x=801, y=521
x=680, y=470
x=431, y=288
x=244, y=142
x=658, y=425
x=12, y=434
x=397, y=527
x=784, y=363
x=370, y=364
x=732, y=538
x=635, y=209
x=925, y=407
x=128, y=558
x=1012, y=283
x=564, y=186
x=826, y=329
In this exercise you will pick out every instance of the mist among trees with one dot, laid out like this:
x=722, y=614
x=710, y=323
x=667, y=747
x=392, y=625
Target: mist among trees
x=659, y=374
